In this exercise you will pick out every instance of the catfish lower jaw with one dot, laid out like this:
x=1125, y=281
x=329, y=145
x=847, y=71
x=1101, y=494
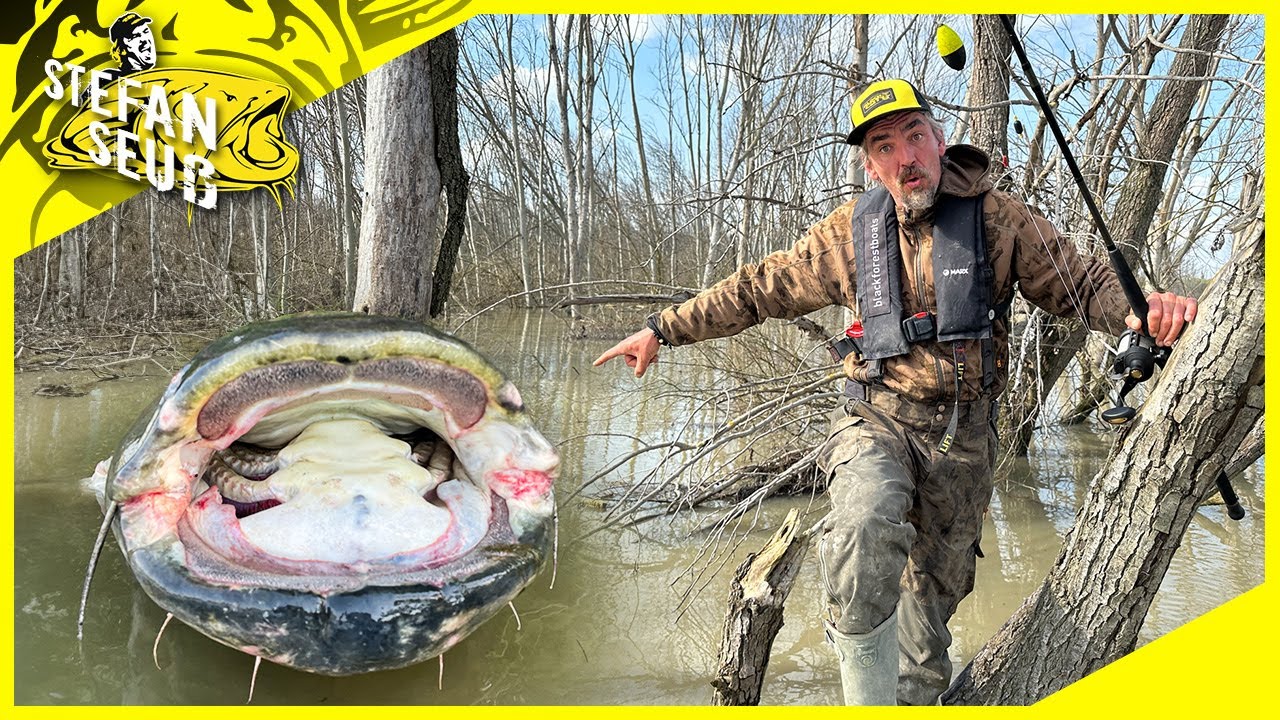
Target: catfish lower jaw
x=348, y=629
x=341, y=577
x=215, y=554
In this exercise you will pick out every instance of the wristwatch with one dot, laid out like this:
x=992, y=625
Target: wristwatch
x=652, y=323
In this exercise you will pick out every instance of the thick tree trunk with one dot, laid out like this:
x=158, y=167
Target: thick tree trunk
x=453, y=175
x=402, y=185
x=989, y=86
x=1090, y=608
x=1139, y=195
x=760, y=588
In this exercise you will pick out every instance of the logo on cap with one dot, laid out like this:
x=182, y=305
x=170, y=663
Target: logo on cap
x=876, y=99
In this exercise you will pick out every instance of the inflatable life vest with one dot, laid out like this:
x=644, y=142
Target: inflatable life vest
x=963, y=280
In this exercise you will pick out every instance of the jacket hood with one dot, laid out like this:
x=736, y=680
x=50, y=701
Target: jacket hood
x=964, y=174
x=965, y=171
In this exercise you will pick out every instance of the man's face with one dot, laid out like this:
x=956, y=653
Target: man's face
x=141, y=47
x=905, y=154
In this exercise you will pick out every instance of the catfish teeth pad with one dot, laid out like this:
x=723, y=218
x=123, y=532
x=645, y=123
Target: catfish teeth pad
x=339, y=493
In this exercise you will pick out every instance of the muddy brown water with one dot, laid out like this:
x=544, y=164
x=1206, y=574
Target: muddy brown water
x=606, y=633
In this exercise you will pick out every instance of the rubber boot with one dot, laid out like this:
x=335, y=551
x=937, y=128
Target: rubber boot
x=868, y=663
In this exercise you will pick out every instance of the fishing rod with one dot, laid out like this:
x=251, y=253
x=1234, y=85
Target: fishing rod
x=1137, y=354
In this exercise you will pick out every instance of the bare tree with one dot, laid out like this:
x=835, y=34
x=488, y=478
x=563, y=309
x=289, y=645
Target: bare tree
x=402, y=181
x=453, y=175
x=347, y=221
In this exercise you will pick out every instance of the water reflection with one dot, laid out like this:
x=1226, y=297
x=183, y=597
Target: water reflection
x=607, y=632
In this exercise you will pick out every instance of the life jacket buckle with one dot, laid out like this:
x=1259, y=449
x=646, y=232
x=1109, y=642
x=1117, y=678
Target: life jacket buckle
x=849, y=343
x=920, y=327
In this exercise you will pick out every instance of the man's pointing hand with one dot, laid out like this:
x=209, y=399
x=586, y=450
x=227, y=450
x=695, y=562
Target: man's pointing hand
x=639, y=351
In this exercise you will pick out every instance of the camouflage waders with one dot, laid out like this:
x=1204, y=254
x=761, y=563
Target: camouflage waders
x=904, y=525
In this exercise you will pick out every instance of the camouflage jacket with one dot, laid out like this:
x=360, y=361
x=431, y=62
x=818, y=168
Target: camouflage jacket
x=819, y=270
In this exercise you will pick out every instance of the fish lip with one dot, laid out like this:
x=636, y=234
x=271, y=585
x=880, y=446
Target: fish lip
x=338, y=337
x=367, y=624
x=208, y=560
x=366, y=629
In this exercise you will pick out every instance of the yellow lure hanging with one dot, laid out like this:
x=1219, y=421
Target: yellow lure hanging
x=951, y=48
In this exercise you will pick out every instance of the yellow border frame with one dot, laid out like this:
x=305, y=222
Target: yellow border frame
x=1218, y=663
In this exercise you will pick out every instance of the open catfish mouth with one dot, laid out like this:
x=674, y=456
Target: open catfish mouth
x=332, y=475
x=336, y=482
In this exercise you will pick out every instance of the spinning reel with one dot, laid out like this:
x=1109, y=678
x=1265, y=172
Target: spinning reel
x=1136, y=359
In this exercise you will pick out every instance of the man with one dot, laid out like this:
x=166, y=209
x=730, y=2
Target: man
x=132, y=44
x=928, y=262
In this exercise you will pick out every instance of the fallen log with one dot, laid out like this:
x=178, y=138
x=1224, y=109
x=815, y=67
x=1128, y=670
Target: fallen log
x=756, y=596
x=575, y=301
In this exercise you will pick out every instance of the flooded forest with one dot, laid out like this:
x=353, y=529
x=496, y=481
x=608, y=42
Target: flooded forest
x=591, y=170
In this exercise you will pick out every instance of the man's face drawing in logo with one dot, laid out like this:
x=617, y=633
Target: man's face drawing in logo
x=132, y=43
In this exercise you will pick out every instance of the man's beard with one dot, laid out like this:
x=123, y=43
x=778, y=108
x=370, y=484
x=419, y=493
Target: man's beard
x=920, y=198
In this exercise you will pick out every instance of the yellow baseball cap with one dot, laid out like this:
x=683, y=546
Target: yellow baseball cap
x=881, y=99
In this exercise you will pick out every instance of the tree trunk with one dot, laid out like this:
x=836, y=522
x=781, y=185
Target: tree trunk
x=587, y=79
x=453, y=175
x=760, y=588
x=859, y=79
x=650, y=228
x=261, y=254
x=350, y=242
x=153, y=245
x=71, y=271
x=402, y=182
x=989, y=85
x=560, y=62
x=1088, y=611
x=517, y=154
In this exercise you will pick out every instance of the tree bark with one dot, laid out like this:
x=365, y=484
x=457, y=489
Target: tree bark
x=349, y=242
x=453, y=175
x=153, y=245
x=1088, y=611
x=756, y=597
x=71, y=271
x=859, y=79
x=989, y=85
x=402, y=183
